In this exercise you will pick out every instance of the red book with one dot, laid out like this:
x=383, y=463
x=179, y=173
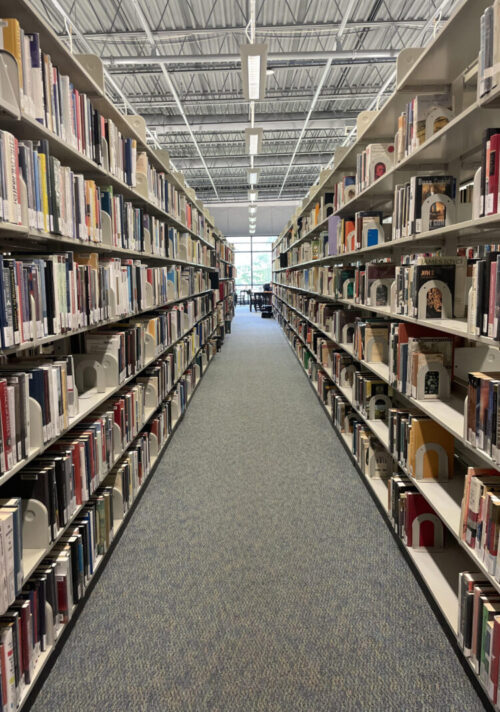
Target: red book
x=3, y=674
x=23, y=607
x=6, y=438
x=62, y=599
x=493, y=293
x=19, y=293
x=491, y=168
x=18, y=179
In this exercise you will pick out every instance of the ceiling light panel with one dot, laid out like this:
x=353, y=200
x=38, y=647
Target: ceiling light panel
x=253, y=70
x=253, y=176
x=253, y=140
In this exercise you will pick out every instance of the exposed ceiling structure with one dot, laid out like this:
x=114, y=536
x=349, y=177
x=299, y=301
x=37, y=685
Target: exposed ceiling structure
x=177, y=63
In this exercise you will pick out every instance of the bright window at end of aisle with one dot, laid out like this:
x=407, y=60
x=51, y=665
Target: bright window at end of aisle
x=243, y=264
x=253, y=259
x=261, y=267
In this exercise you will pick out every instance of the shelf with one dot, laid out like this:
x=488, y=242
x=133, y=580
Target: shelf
x=444, y=497
x=88, y=402
x=323, y=225
x=467, y=232
x=101, y=560
x=438, y=569
x=35, y=343
x=461, y=136
x=32, y=558
x=34, y=238
x=456, y=327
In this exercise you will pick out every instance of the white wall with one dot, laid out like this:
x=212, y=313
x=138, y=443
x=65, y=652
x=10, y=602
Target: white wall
x=232, y=218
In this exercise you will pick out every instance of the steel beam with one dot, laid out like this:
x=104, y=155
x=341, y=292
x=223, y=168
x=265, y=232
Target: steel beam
x=176, y=59
x=179, y=34
x=165, y=125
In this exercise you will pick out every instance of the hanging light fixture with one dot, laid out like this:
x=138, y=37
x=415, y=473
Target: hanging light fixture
x=253, y=139
x=252, y=195
x=253, y=70
x=253, y=176
x=252, y=210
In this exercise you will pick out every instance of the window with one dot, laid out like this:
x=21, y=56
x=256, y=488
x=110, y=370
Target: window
x=252, y=258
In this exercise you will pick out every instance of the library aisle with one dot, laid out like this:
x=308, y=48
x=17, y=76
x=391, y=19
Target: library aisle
x=247, y=579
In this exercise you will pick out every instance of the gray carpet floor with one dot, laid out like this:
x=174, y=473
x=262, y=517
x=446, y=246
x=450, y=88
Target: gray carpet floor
x=256, y=573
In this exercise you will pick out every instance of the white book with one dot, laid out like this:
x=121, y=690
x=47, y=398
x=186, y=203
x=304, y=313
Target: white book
x=7, y=641
x=7, y=534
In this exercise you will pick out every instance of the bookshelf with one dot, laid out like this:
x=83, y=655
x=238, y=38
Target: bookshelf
x=143, y=268
x=313, y=257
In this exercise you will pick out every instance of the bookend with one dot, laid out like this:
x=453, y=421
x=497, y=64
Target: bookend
x=427, y=520
x=439, y=204
x=441, y=380
x=10, y=96
x=92, y=373
x=93, y=66
x=347, y=375
x=376, y=403
x=377, y=343
x=345, y=288
x=141, y=185
x=431, y=462
x=380, y=292
x=437, y=294
x=106, y=230
x=148, y=245
x=348, y=333
x=36, y=527
x=379, y=463
x=36, y=425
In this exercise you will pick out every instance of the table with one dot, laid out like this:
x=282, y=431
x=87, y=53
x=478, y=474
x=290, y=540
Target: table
x=259, y=299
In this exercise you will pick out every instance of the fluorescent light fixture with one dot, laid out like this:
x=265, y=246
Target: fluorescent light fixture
x=253, y=176
x=253, y=140
x=252, y=209
x=253, y=70
x=252, y=230
x=252, y=195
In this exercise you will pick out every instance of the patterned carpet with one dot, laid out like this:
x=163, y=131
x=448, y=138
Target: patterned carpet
x=256, y=573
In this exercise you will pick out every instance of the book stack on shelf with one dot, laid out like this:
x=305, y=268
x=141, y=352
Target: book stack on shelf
x=391, y=303
x=111, y=309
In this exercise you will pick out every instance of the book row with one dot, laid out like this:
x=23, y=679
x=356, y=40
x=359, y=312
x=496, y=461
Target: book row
x=423, y=116
x=489, y=51
x=479, y=628
x=40, y=395
x=374, y=460
x=420, y=363
x=418, y=446
x=49, y=97
x=70, y=471
x=409, y=433
x=50, y=295
x=421, y=204
x=45, y=602
x=39, y=192
x=420, y=527
x=424, y=287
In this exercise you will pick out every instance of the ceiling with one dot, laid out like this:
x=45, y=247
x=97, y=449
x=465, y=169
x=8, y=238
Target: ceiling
x=183, y=74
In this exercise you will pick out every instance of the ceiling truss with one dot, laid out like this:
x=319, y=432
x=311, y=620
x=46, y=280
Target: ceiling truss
x=177, y=63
